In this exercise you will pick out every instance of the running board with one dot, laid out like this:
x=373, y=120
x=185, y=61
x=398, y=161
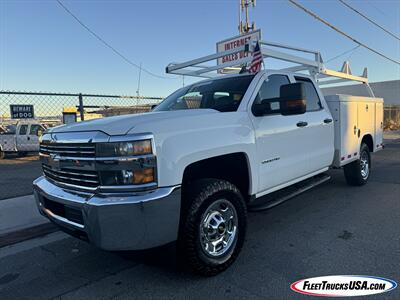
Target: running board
x=278, y=197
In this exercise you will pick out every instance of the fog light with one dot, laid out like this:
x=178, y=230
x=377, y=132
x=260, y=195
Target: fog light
x=142, y=176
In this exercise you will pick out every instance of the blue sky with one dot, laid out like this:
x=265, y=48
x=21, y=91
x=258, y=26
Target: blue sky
x=42, y=48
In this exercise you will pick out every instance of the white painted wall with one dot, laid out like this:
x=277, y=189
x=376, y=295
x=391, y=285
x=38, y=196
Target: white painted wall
x=388, y=90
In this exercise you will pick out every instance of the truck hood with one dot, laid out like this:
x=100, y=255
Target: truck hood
x=120, y=125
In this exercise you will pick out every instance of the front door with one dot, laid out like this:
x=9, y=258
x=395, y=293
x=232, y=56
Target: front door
x=283, y=142
x=33, y=137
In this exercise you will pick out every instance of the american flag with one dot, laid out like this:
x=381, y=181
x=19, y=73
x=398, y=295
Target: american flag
x=255, y=65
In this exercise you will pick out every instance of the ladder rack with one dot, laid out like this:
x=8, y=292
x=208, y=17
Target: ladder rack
x=199, y=68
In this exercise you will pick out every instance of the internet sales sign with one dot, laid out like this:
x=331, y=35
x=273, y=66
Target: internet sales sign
x=235, y=42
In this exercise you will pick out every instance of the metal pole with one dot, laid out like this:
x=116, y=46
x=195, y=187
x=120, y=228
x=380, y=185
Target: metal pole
x=81, y=108
x=138, y=87
x=240, y=17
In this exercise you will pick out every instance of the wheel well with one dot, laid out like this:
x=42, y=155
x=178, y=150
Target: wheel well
x=367, y=139
x=230, y=167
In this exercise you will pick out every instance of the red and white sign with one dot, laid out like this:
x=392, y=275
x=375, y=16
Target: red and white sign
x=235, y=42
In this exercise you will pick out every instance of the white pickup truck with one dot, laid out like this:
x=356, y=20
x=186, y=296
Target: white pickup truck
x=21, y=138
x=190, y=170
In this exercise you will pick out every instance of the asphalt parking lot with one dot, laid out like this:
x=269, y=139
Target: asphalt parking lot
x=330, y=230
x=17, y=174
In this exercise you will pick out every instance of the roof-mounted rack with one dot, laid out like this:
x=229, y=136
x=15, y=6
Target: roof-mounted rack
x=199, y=68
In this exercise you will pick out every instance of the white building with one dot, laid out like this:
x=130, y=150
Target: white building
x=388, y=90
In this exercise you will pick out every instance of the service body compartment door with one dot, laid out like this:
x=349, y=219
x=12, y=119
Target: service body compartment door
x=355, y=117
x=366, y=118
x=349, y=144
x=378, y=126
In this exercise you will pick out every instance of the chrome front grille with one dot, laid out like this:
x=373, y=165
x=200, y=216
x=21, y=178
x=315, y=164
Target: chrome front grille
x=69, y=150
x=70, y=164
x=84, y=178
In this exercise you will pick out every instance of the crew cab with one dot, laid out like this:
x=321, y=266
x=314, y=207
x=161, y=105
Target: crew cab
x=189, y=170
x=21, y=138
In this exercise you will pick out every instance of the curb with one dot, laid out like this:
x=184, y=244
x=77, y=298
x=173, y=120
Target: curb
x=21, y=235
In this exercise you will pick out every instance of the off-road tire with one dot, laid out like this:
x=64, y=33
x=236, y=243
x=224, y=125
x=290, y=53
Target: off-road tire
x=198, y=197
x=353, y=172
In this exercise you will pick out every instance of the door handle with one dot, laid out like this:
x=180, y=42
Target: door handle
x=302, y=124
x=327, y=121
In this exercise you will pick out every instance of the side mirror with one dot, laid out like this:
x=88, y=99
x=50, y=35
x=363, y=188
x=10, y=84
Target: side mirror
x=293, y=99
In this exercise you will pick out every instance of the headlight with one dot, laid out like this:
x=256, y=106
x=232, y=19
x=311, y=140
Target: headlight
x=136, y=169
x=124, y=148
x=128, y=177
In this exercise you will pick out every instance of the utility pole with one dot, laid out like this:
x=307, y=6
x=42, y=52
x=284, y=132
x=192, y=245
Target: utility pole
x=244, y=8
x=138, y=87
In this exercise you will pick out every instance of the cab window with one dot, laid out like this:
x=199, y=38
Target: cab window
x=35, y=130
x=23, y=129
x=313, y=101
x=270, y=91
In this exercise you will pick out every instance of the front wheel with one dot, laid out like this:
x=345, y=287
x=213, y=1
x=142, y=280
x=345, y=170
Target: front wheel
x=357, y=173
x=213, y=227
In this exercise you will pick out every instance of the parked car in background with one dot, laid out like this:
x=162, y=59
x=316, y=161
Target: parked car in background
x=22, y=138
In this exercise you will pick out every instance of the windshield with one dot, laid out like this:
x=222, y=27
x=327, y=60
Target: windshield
x=223, y=95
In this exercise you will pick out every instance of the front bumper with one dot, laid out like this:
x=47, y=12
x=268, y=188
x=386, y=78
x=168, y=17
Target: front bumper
x=113, y=221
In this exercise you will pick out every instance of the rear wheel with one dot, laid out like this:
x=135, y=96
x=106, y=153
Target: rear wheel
x=213, y=227
x=357, y=173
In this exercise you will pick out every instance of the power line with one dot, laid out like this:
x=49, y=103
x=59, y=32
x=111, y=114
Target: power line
x=342, y=32
x=367, y=18
x=345, y=52
x=376, y=8
x=109, y=46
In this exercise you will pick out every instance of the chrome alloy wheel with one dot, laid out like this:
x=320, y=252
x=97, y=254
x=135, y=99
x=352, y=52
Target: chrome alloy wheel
x=218, y=228
x=364, y=163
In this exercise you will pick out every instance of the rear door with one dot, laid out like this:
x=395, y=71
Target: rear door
x=319, y=130
x=282, y=145
x=22, y=137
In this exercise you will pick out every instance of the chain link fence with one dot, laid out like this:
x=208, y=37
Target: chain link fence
x=49, y=108
x=24, y=115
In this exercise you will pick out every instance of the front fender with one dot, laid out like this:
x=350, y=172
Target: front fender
x=218, y=134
